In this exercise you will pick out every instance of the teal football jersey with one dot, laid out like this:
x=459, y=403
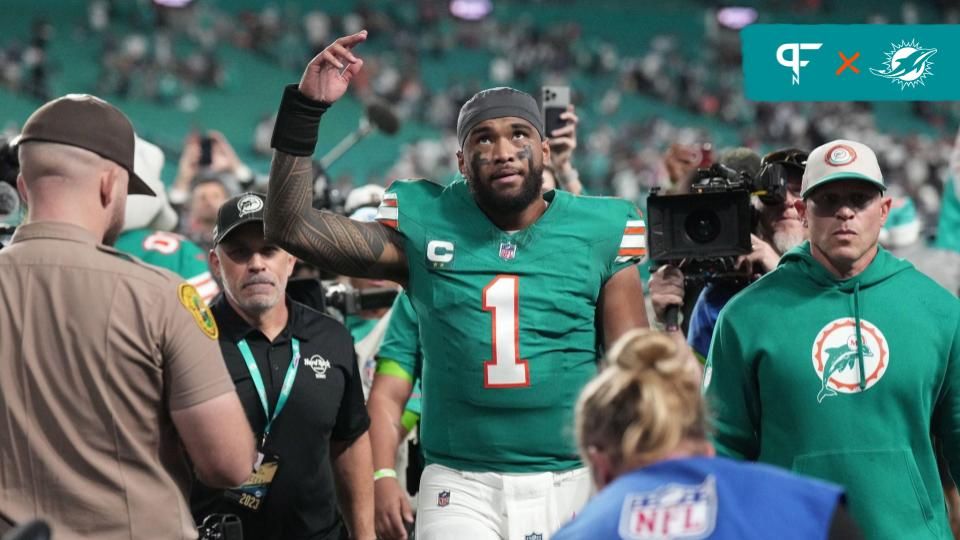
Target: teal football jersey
x=173, y=252
x=507, y=321
x=401, y=345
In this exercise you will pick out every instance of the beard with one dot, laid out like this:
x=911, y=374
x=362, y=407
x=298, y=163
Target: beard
x=115, y=227
x=258, y=304
x=490, y=199
x=784, y=241
x=252, y=305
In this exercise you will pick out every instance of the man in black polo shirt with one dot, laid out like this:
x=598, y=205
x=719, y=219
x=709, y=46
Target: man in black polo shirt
x=297, y=378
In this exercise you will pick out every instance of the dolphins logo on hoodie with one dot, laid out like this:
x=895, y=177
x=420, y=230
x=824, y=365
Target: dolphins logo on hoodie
x=840, y=359
x=837, y=357
x=907, y=64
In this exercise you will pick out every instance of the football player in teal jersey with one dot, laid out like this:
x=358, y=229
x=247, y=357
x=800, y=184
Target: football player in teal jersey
x=147, y=224
x=515, y=290
x=400, y=349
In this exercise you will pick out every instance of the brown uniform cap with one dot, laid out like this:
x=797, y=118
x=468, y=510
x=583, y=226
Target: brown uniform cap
x=90, y=123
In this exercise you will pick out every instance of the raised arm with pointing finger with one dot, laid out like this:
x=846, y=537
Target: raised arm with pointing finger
x=515, y=288
x=328, y=240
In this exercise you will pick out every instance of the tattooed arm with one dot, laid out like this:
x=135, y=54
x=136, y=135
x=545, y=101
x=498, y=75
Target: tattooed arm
x=330, y=241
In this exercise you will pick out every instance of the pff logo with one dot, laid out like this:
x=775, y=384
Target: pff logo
x=794, y=62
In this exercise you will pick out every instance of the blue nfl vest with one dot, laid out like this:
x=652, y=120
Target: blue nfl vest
x=713, y=498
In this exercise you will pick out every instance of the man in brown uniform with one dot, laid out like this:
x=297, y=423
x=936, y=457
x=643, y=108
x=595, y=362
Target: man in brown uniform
x=106, y=365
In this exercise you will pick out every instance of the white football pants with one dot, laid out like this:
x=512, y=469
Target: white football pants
x=498, y=506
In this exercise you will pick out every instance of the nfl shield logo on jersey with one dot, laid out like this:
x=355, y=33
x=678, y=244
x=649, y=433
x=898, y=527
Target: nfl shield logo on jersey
x=533, y=536
x=443, y=499
x=673, y=512
x=508, y=251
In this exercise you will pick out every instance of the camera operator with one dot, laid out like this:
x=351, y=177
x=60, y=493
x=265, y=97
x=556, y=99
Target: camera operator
x=778, y=229
x=276, y=349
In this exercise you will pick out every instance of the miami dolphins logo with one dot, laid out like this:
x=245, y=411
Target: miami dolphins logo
x=249, y=204
x=840, y=155
x=907, y=64
x=835, y=357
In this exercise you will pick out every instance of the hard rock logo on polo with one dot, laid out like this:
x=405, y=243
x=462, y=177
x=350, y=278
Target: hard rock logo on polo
x=319, y=365
x=840, y=154
x=837, y=353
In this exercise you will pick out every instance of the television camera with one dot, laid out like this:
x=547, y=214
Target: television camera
x=705, y=231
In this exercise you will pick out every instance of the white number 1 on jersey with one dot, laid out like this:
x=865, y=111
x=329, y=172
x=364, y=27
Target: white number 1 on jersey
x=502, y=297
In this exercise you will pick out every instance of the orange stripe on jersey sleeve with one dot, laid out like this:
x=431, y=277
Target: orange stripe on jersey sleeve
x=389, y=212
x=635, y=230
x=630, y=252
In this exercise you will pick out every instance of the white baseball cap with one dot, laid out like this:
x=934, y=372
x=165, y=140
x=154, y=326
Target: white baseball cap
x=366, y=195
x=144, y=211
x=841, y=160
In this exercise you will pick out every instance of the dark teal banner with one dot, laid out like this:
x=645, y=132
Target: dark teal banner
x=856, y=62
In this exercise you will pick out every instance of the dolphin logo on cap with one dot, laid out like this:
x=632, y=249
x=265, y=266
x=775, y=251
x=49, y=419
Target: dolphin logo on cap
x=249, y=205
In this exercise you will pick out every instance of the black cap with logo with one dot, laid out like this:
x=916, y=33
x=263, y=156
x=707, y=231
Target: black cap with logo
x=241, y=209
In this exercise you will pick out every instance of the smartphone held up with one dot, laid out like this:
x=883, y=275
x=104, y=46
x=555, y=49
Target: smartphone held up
x=206, y=151
x=555, y=100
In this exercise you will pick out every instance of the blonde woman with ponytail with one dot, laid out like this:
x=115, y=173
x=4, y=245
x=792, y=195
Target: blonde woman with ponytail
x=642, y=427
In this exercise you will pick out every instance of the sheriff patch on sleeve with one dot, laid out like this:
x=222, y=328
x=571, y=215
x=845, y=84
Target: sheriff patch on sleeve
x=191, y=300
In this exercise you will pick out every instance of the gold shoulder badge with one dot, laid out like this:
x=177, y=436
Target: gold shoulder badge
x=191, y=300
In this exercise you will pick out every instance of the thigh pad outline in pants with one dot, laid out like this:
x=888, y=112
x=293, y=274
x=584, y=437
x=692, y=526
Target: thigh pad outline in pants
x=453, y=505
x=537, y=505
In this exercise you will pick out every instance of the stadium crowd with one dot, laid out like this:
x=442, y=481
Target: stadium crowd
x=230, y=353
x=138, y=61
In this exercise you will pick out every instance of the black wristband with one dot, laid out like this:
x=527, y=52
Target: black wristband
x=295, y=132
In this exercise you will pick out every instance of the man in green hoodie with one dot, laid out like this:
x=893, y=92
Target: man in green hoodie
x=859, y=369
